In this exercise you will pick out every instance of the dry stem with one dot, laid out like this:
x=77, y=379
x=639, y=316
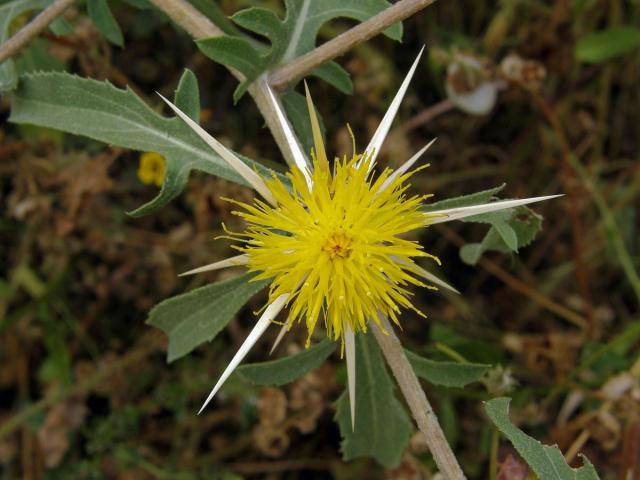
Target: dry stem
x=417, y=401
x=341, y=44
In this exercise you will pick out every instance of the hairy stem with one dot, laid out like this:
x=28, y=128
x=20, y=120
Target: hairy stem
x=33, y=28
x=417, y=401
x=298, y=68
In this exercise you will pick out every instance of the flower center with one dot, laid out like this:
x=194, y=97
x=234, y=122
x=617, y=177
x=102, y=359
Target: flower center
x=338, y=245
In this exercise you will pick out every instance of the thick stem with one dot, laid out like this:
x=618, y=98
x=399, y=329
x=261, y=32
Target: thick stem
x=341, y=44
x=33, y=28
x=417, y=401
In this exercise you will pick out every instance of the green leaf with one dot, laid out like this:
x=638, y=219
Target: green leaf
x=198, y=316
x=61, y=27
x=289, y=38
x=286, y=370
x=100, y=111
x=36, y=57
x=511, y=229
x=214, y=13
x=607, y=44
x=382, y=426
x=103, y=19
x=507, y=234
x=446, y=374
x=547, y=462
x=9, y=11
x=187, y=97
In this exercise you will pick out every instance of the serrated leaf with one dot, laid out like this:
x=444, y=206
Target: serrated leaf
x=198, y=316
x=103, y=112
x=187, y=97
x=606, y=44
x=289, y=38
x=286, y=370
x=9, y=11
x=446, y=374
x=103, y=19
x=382, y=426
x=547, y=462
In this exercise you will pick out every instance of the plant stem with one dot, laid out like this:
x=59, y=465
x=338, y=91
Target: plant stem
x=298, y=68
x=33, y=28
x=198, y=26
x=417, y=401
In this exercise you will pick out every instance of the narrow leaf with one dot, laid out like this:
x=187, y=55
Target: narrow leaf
x=198, y=316
x=286, y=370
x=606, y=44
x=382, y=426
x=103, y=19
x=446, y=374
x=547, y=462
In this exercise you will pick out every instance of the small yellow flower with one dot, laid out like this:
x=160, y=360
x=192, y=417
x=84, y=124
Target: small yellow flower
x=152, y=168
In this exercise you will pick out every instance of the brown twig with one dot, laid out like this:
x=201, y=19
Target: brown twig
x=419, y=405
x=298, y=68
x=33, y=28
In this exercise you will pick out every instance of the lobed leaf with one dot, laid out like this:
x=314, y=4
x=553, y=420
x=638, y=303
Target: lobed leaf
x=510, y=230
x=506, y=235
x=446, y=374
x=547, y=462
x=289, y=38
x=198, y=316
x=103, y=112
x=382, y=426
x=286, y=370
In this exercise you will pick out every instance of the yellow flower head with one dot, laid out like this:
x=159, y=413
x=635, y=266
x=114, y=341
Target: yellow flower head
x=152, y=168
x=336, y=248
x=333, y=244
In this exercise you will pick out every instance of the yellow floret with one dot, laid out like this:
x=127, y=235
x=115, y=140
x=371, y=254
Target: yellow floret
x=337, y=248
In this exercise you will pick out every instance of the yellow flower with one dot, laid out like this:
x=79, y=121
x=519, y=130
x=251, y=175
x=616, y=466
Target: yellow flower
x=332, y=244
x=336, y=248
x=152, y=168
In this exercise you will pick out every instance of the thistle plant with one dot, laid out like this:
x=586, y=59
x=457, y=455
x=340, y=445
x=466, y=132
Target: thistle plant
x=332, y=238
x=331, y=244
